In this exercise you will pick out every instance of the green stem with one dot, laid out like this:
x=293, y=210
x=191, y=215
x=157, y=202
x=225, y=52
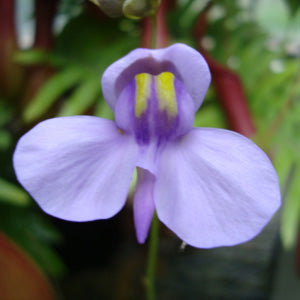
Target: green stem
x=154, y=231
x=152, y=259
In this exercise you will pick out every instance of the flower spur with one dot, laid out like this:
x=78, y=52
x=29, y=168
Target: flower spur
x=212, y=187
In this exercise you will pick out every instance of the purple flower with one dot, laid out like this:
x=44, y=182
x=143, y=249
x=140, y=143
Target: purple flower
x=212, y=187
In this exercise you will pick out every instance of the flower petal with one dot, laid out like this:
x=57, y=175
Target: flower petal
x=215, y=188
x=76, y=168
x=148, y=118
x=143, y=205
x=184, y=62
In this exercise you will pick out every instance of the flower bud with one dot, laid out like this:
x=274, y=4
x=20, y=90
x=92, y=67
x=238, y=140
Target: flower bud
x=113, y=8
x=134, y=9
x=140, y=8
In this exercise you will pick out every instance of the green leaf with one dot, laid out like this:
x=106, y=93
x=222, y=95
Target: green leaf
x=82, y=98
x=37, y=57
x=31, y=57
x=291, y=208
x=51, y=91
x=287, y=162
x=12, y=194
x=103, y=110
x=210, y=114
x=44, y=255
x=5, y=113
x=5, y=139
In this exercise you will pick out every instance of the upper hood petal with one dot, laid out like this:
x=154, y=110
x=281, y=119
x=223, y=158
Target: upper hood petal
x=184, y=62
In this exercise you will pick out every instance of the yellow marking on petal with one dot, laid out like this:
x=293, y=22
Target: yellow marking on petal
x=142, y=92
x=166, y=94
x=120, y=131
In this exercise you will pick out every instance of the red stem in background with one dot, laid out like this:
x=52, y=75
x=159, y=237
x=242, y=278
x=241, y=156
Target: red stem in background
x=162, y=32
x=146, y=33
x=20, y=277
x=7, y=25
x=44, y=39
x=10, y=73
x=231, y=96
x=44, y=15
x=228, y=86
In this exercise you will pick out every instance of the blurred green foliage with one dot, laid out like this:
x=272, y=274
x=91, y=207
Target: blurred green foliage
x=294, y=6
x=80, y=59
x=12, y=194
